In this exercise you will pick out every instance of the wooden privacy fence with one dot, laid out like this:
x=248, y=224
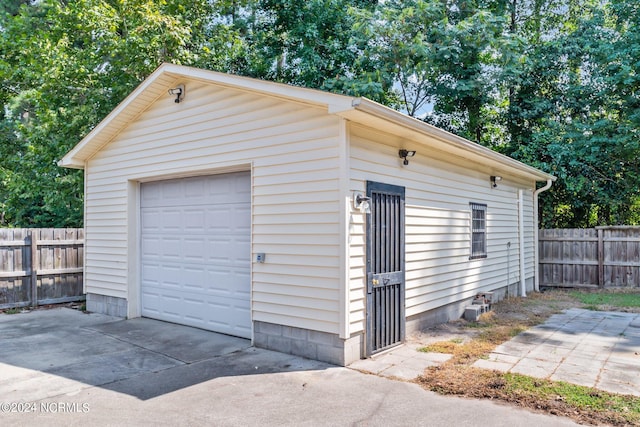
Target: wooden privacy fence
x=40, y=266
x=593, y=257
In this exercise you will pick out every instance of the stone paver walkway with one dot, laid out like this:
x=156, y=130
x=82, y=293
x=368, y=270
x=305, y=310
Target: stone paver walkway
x=590, y=348
x=405, y=362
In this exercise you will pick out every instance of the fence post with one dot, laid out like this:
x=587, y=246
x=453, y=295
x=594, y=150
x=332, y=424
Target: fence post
x=600, y=257
x=34, y=269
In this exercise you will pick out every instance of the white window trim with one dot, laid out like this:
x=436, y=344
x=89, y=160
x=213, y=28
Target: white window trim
x=481, y=231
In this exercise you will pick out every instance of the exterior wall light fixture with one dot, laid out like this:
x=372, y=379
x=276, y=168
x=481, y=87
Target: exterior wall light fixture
x=404, y=154
x=494, y=180
x=362, y=202
x=178, y=92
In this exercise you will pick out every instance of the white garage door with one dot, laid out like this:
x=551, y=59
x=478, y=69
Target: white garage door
x=195, y=252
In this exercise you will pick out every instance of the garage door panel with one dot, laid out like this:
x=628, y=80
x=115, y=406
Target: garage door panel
x=208, y=281
x=170, y=249
x=229, y=279
x=165, y=274
x=233, y=253
x=243, y=226
x=217, y=251
x=170, y=220
x=196, y=252
x=242, y=191
x=195, y=220
x=243, y=255
x=172, y=191
x=194, y=279
x=195, y=310
x=194, y=188
x=150, y=247
x=220, y=220
x=220, y=283
x=151, y=220
x=195, y=249
x=220, y=249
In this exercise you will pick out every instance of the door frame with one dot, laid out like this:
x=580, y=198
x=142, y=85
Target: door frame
x=394, y=190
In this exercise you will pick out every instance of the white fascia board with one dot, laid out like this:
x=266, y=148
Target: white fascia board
x=279, y=90
x=70, y=163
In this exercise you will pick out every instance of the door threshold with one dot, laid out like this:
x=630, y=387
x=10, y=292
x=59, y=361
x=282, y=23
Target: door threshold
x=386, y=350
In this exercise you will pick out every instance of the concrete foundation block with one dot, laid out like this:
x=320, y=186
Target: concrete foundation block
x=111, y=306
x=282, y=344
x=317, y=345
x=295, y=333
x=321, y=338
x=472, y=313
x=304, y=349
x=260, y=340
x=270, y=328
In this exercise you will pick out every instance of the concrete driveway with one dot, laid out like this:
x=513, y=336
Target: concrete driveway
x=63, y=367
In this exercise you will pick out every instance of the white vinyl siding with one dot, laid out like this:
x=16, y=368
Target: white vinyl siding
x=438, y=234
x=292, y=150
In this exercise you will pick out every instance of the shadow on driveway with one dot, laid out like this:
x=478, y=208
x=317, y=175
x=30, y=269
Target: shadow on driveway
x=98, y=370
x=60, y=351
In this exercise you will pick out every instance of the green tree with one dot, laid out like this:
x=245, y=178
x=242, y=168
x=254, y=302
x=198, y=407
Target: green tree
x=569, y=116
x=475, y=45
x=12, y=7
x=311, y=43
x=441, y=60
x=551, y=82
x=64, y=67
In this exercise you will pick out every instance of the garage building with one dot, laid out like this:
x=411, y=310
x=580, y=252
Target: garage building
x=312, y=223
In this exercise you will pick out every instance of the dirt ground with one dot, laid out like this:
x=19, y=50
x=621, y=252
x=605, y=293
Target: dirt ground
x=534, y=309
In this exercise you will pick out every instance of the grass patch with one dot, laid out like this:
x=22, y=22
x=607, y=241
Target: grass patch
x=501, y=333
x=480, y=347
x=446, y=347
x=591, y=403
x=575, y=395
x=509, y=318
x=598, y=300
x=12, y=310
x=583, y=404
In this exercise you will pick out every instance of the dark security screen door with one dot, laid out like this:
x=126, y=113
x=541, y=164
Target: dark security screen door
x=385, y=267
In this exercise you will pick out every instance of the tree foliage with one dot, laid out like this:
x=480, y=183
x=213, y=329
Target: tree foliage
x=573, y=115
x=64, y=67
x=553, y=83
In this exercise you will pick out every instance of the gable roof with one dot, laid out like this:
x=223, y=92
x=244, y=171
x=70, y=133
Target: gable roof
x=360, y=110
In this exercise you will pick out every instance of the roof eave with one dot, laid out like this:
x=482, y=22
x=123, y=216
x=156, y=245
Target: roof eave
x=382, y=112
x=77, y=156
x=70, y=163
x=356, y=109
x=110, y=125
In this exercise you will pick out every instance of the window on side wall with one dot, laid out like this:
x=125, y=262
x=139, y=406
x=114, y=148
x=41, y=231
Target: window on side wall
x=478, y=230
